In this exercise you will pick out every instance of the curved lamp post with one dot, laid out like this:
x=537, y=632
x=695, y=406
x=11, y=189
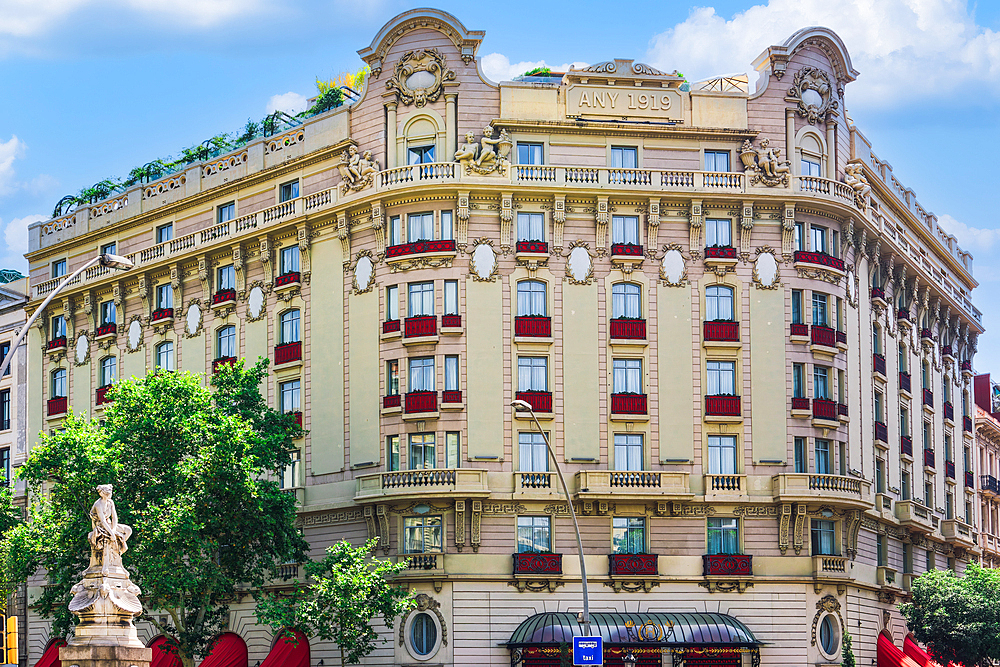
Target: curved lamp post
x=524, y=406
x=106, y=260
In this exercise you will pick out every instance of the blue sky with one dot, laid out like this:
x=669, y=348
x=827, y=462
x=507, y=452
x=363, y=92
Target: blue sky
x=92, y=88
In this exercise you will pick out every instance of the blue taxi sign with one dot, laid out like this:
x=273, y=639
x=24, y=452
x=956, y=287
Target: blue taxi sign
x=588, y=651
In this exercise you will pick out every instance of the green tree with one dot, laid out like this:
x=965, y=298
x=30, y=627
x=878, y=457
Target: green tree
x=958, y=618
x=193, y=472
x=847, y=653
x=348, y=589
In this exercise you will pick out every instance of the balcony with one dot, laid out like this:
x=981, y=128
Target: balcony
x=633, y=565
x=727, y=565
x=298, y=417
x=626, y=252
x=926, y=336
x=911, y=514
x=723, y=406
x=958, y=532
x=949, y=469
x=628, y=329
x=970, y=480
x=529, y=482
x=830, y=568
x=824, y=410
x=101, y=395
x=886, y=576
x=903, y=315
x=540, y=401
x=878, y=364
x=287, y=281
x=928, y=458
x=161, y=315
x=434, y=483
x=904, y=382
x=223, y=298
x=725, y=485
x=929, y=398
x=391, y=402
x=628, y=406
x=967, y=424
x=58, y=343
x=451, y=324
x=110, y=330
x=421, y=403
x=420, y=249
x=841, y=491
x=420, y=327
x=287, y=353
x=721, y=332
x=881, y=432
x=819, y=259
x=636, y=484
x=800, y=406
x=532, y=248
x=532, y=326
x=451, y=399
x=823, y=339
x=946, y=351
x=798, y=332
x=967, y=369
x=906, y=445
x=842, y=412
x=878, y=297
x=720, y=256
x=841, y=340
x=56, y=406
x=390, y=327
x=220, y=362
x=949, y=411
x=537, y=564
x=989, y=484
x=426, y=562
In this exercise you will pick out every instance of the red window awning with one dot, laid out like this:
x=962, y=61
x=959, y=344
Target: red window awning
x=287, y=652
x=889, y=654
x=229, y=651
x=912, y=650
x=51, y=656
x=163, y=658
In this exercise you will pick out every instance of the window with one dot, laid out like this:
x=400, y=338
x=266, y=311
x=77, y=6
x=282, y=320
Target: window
x=108, y=311
x=289, y=392
x=723, y=535
x=529, y=153
x=534, y=534
x=423, y=634
x=288, y=191
x=810, y=168
x=716, y=160
x=227, y=278
x=819, y=303
x=392, y=303
x=823, y=538
x=421, y=299
x=841, y=387
x=451, y=373
x=625, y=229
x=722, y=457
x=290, y=260
x=627, y=376
x=531, y=298
x=226, y=342
x=165, y=233
x=946, y=390
x=628, y=451
x=58, y=386
x=392, y=452
x=818, y=239
x=420, y=154
x=948, y=453
x=420, y=227
x=626, y=301
x=290, y=326
x=925, y=376
x=4, y=351
x=927, y=435
x=907, y=558
x=5, y=410
x=829, y=640
x=422, y=534
x=107, y=372
x=879, y=475
x=290, y=472
x=624, y=157
x=800, y=238
x=719, y=303
x=452, y=449
x=58, y=327
x=59, y=268
x=422, y=374
x=824, y=466
x=451, y=297
x=876, y=339
x=842, y=454
x=532, y=374
x=5, y=466
x=880, y=549
x=796, y=306
x=904, y=484
x=109, y=248
x=395, y=230
x=227, y=212
x=533, y=455
x=721, y=378
x=718, y=233
x=628, y=535
x=164, y=297
x=392, y=377
x=835, y=243
x=928, y=493
x=530, y=227
x=949, y=505
x=800, y=455
x=902, y=358
x=447, y=226
x=904, y=422
x=879, y=410
x=165, y=356
x=929, y=563
x=422, y=451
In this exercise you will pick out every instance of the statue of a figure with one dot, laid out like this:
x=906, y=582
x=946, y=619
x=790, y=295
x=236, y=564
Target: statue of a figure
x=769, y=160
x=108, y=539
x=854, y=176
x=486, y=157
x=764, y=164
x=468, y=151
x=357, y=170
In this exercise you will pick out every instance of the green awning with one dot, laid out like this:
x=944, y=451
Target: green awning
x=659, y=629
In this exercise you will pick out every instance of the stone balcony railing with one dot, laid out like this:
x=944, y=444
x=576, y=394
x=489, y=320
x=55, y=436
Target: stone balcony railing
x=913, y=515
x=427, y=483
x=621, y=484
x=837, y=490
x=959, y=533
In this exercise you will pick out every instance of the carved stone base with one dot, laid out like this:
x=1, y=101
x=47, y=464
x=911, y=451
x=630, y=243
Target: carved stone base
x=632, y=585
x=106, y=656
x=717, y=584
x=535, y=585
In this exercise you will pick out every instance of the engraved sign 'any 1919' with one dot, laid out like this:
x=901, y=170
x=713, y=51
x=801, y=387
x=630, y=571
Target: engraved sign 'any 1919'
x=661, y=103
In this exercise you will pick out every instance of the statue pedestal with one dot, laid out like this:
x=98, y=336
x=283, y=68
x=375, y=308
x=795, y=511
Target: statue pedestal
x=105, y=656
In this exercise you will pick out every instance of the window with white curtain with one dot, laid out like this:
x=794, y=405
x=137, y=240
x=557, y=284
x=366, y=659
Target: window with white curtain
x=628, y=451
x=722, y=456
x=533, y=456
x=531, y=298
x=719, y=303
x=627, y=376
x=626, y=301
x=532, y=374
x=420, y=227
x=530, y=227
x=625, y=229
x=721, y=378
x=421, y=299
x=421, y=374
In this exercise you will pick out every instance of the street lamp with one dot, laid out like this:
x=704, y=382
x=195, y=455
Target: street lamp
x=105, y=260
x=524, y=406
x=629, y=658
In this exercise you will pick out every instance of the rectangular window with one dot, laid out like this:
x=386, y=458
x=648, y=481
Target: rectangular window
x=107, y=371
x=716, y=160
x=421, y=452
x=395, y=231
x=927, y=435
x=59, y=268
x=227, y=278
x=534, y=534
x=723, y=535
x=420, y=154
x=451, y=297
x=290, y=473
x=226, y=212
x=949, y=455
x=907, y=558
x=626, y=301
x=842, y=454
x=819, y=303
x=904, y=422
x=796, y=306
x=421, y=299
x=721, y=378
x=421, y=374
x=290, y=260
x=722, y=456
x=627, y=376
x=288, y=191
x=452, y=449
x=419, y=227
x=879, y=475
x=625, y=229
x=165, y=355
x=628, y=451
x=4, y=351
x=451, y=373
x=392, y=452
x=530, y=227
x=624, y=157
x=929, y=563
x=718, y=233
x=392, y=303
x=165, y=233
x=835, y=243
x=823, y=464
x=821, y=382
x=422, y=534
x=108, y=310
x=810, y=168
x=532, y=374
x=800, y=238
x=823, y=538
x=290, y=396
x=392, y=377
x=5, y=466
x=531, y=300
x=58, y=327
x=968, y=512
x=904, y=485
x=533, y=456
x=719, y=304
x=841, y=387
x=879, y=411
x=58, y=383
x=109, y=248
x=949, y=506
x=164, y=297
x=226, y=338
x=529, y=153
x=447, y=226
x=818, y=239
x=928, y=494
x=801, y=464
x=628, y=535
x=881, y=551
x=5, y=410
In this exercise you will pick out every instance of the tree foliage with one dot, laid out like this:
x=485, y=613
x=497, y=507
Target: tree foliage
x=192, y=470
x=847, y=651
x=958, y=618
x=348, y=589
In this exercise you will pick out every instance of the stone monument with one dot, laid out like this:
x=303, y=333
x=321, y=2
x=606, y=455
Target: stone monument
x=105, y=600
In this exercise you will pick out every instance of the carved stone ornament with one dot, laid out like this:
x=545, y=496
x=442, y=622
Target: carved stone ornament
x=764, y=165
x=579, y=264
x=364, y=273
x=256, y=301
x=419, y=77
x=489, y=156
x=105, y=600
x=828, y=605
x=673, y=271
x=812, y=90
x=82, y=349
x=133, y=341
x=854, y=176
x=426, y=603
x=765, y=269
x=193, y=320
x=357, y=170
x=484, y=263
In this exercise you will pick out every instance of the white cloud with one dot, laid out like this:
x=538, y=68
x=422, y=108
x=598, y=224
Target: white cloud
x=9, y=151
x=903, y=48
x=16, y=242
x=291, y=103
x=970, y=238
x=497, y=67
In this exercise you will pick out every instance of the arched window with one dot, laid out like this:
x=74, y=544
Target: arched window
x=626, y=301
x=58, y=385
x=531, y=298
x=226, y=342
x=719, y=304
x=290, y=326
x=165, y=356
x=811, y=151
x=108, y=368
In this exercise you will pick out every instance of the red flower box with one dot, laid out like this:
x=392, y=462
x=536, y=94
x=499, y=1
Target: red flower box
x=720, y=252
x=391, y=401
x=970, y=480
x=56, y=406
x=842, y=409
x=928, y=398
x=946, y=351
x=289, y=278
x=101, y=395
x=727, y=565
x=298, y=418
x=926, y=333
x=108, y=329
x=222, y=361
x=878, y=293
x=451, y=321
x=722, y=331
x=967, y=365
x=419, y=247
x=949, y=411
x=57, y=343
x=421, y=401
x=533, y=246
x=904, y=381
x=929, y=458
x=906, y=445
x=533, y=326
x=161, y=314
x=723, y=406
x=451, y=396
x=540, y=401
x=819, y=258
x=628, y=329
x=881, y=432
x=800, y=403
x=823, y=336
x=842, y=337
x=878, y=363
x=626, y=250
x=902, y=314
x=949, y=469
x=287, y=353
x=798, y=330
x=967, y=424
x=535, y=563
x=824, y=408
x=420, y=325
x=390, y=326
x=636, y=565
x=222, y=296
x=628, y=404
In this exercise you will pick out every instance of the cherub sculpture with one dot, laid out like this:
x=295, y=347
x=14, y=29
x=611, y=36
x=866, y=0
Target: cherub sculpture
x=764, y=164
x=490, y=155
x=357, y=170
x=854, y=176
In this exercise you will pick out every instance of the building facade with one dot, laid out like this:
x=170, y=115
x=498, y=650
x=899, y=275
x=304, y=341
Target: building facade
x=719, y=304
x=987, y=459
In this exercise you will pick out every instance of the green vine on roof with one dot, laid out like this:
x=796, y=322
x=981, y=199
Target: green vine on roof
x=538, y=71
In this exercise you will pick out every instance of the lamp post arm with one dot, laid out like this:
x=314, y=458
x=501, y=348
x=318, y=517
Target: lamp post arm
x=40, y=310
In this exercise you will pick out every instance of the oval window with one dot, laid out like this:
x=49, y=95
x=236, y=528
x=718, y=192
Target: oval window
x=423, y=634
x=828, y=635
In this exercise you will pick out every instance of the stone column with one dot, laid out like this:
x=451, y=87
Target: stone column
x=790, y=141
x=831, y=148
x=105, y=656
x=390, y=135
x=450, y=128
